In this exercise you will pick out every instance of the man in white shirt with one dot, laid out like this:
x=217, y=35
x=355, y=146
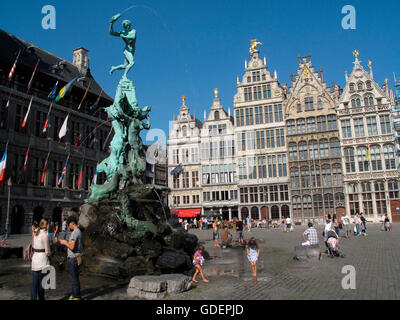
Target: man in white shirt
x=346, y=226
x=357, y=222
x=289, y=224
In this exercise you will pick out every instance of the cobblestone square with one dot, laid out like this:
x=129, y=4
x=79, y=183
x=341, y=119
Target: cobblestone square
x=375, y=258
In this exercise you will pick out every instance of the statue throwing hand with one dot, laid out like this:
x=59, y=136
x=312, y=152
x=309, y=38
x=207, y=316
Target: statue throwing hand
x=129, y=37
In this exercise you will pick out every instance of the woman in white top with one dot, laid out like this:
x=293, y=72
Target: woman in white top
x=40, y=258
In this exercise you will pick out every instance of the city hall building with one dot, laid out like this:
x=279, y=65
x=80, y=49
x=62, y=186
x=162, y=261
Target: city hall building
x=36, y=74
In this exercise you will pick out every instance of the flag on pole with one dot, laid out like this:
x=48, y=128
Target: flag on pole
x=94, y=180
x=97, y=101
x=5, y=112
x=105, y=145
x=79, y=182
x=64, y=171
x=65, y=90
x=8, y=101
x=21, y=176
x=367, y=153
x=46, y=123
x=10, y=75
x=33, y=75
x=93, y=138
x=27, y=114
x=53, y=92
x=63, y=130
x=77, y=140
x=3, y=164
x=84, y=96
x=44, y=168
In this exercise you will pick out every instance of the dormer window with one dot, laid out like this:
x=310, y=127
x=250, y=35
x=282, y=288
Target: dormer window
x=319, y=104
x=360, y=86
x=216, y=115
x=309, y=102
x=256, y=76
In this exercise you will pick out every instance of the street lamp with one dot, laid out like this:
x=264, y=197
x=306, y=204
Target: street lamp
x=8, y=206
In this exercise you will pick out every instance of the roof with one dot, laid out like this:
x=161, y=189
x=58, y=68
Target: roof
x=30, y=53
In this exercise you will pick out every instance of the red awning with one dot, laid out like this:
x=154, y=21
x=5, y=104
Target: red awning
x=188, y=213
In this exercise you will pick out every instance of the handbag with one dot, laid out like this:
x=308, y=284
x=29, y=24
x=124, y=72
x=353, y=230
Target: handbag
x=28, y=252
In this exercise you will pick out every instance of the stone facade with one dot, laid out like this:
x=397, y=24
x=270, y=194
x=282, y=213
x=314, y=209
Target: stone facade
x=371, y=177
x=263, y=181
x=184, y=149
x=218, y=163
x=313, y=145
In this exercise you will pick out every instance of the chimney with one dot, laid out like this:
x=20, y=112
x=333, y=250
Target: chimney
x=81, y=60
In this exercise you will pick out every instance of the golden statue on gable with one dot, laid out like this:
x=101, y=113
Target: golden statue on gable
x=254, y=45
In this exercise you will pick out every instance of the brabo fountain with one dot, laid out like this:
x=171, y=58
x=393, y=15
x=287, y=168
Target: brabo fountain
x=126, y=228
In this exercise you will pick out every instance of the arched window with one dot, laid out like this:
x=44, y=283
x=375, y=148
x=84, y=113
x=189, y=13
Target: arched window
x=311, y=125
x=390, y=162
x=356, y=101
x=303, y=154
x=318, y=208
x=363, y=162
x=216, y=115
x=337, y=175
x=305, y=177
x=321, y=120
x=369, y=101
x=335, y=147
x=326, y=176
x=360, y=86
x=368, y=84
x=323, y=148
x=328, y=200
x=313, y=149
x=291, y=127
x=301, y=125
x=349, y=159
x=320, y=104
x=307, y=205
x=292, y=152
x=376, y=160
x=294, y=176
x=184, y=131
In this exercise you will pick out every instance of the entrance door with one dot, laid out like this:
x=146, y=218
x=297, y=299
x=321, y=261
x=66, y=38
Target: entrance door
x=395, y=208
x=17, y=220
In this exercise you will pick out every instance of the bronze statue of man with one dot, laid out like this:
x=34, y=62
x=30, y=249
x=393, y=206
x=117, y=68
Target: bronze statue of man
x=129, y=36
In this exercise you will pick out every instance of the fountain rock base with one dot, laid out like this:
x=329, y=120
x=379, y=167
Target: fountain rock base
x=131, y=234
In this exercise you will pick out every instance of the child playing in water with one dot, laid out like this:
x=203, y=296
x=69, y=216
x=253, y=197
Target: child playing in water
x=198, y=261
x=253, y=252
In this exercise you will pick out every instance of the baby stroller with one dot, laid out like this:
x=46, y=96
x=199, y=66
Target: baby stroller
x=333, y=245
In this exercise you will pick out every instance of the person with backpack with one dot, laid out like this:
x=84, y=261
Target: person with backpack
x=74, y=256
x=40, y=258
x=363, y=225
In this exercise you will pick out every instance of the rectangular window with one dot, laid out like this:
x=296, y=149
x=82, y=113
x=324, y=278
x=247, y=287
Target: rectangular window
x=249, y=117
x=372, y=126
x=280, y=137
x=272, y=172
x=260, y=140
x=195, y=179
x=242, y=169
x=252, y=168
x=241, y=138
x=262, y=167
x=259, y=115
x=282, y=165
x=278, y=113
x=359, y=127
x=332, y=124
x=250, y=140
x=385, y=124
x=269, y=117
x=267, y=91
x=309, y=103
x=346, y=129
x=270, y=139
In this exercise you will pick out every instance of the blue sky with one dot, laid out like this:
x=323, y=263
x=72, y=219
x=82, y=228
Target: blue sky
x=191, y=47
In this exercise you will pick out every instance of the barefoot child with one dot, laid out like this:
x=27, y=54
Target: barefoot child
x=253, y=252
x=198, y=261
